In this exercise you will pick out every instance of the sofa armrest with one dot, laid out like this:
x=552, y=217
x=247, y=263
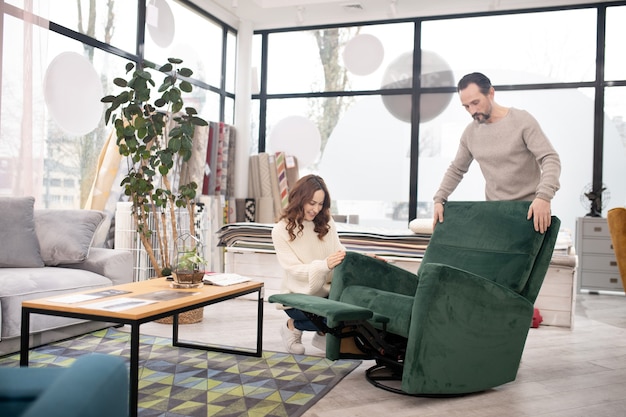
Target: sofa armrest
x=477, y=327
x=117, y=265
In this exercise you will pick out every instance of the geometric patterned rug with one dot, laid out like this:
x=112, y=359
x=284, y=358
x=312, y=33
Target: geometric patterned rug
x=190, y=382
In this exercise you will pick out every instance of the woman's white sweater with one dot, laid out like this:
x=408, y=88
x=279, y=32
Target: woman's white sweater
x=304, y=258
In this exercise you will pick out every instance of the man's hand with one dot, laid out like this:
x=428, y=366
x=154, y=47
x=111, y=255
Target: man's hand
x=437, y=214
x=539, y=211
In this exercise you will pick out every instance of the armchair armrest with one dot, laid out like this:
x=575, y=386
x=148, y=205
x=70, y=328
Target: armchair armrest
x=117, y=265
x=476, y=327
x=359, y=269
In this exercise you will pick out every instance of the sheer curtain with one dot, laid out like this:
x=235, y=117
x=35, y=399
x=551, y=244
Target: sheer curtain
x=22, y=109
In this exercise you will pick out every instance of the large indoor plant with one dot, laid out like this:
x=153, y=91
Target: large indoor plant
x=155, y=134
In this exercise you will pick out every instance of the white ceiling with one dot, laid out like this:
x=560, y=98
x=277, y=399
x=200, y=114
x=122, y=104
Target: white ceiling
x=271, y=14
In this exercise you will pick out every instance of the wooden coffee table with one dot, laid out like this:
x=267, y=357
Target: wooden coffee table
x=166, y=302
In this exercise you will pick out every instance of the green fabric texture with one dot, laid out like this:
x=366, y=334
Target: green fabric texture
x=365, y=271
x=467, y=333
x=498, y=232
x=396, y=308
x=323, y=307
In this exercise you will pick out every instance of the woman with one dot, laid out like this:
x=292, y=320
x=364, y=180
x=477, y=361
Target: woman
x=308, y=248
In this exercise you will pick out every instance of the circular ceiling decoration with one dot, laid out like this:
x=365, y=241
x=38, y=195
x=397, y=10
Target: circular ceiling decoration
x=72, y=92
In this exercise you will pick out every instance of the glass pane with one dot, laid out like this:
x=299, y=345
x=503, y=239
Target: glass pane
x=229, y=111
x=570, y=131
x=365, y=164
x=231, y=61
x=117, y=27
x=21, y=127
x=186, y=35
x=615, y=66
x=209, y=107
x=614, y=164
x=560, y=47
x=62, y=165
x=338, y=59
x=255, y=112
x=255, y=76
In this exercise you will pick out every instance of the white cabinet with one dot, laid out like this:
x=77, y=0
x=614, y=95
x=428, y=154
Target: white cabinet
x=597, y=268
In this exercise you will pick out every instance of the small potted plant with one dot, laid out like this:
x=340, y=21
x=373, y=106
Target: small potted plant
x=189, y=264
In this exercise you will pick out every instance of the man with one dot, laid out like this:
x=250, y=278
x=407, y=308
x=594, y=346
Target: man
x=516, y=158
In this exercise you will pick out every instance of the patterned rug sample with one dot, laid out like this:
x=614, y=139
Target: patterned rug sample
x=191, y=382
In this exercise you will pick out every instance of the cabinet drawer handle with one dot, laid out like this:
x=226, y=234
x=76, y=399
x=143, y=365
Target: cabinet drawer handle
x=613, y=263
x=597, y=229
x=613, y=280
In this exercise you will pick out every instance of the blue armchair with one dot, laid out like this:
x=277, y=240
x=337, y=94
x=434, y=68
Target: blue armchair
x=95, y=385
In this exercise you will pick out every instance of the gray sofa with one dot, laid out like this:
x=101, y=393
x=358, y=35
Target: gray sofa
x=46, y=253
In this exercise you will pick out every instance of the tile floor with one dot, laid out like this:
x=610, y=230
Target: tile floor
x=564, y=373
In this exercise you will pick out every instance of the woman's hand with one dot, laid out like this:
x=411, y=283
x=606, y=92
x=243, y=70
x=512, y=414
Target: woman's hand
x=335, y=259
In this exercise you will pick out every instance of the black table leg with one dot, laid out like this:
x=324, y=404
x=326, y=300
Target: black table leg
x=259, y=329
x=24, y=337
x=134, y=369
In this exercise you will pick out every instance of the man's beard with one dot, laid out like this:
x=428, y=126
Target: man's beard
x=481, y=117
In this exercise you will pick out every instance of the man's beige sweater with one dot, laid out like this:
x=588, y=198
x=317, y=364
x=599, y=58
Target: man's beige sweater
x=516, y=158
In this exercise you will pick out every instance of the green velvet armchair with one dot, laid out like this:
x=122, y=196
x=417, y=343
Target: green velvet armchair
x=459, y=325
x=95, y=385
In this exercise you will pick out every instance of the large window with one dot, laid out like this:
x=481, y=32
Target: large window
x=560, y=48
x=43, y=152
x=367, y=143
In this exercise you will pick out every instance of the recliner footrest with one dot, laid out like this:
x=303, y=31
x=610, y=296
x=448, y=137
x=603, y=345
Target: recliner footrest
x=333, y=310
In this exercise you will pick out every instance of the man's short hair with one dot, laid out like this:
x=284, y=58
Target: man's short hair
x=481, y=80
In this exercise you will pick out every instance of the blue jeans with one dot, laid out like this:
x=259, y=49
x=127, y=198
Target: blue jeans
x=301, y=321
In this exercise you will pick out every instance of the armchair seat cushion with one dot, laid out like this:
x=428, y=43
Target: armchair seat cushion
x=388, y=307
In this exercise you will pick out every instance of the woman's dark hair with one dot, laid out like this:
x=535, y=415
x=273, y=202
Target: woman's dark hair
x=301, y=194
x=481, y=80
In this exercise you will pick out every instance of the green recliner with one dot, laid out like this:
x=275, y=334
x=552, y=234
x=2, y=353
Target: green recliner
x=459, y=326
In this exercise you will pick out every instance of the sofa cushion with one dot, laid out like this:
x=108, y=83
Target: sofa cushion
x=19, y=247
x=65, y=236
x=21, y=284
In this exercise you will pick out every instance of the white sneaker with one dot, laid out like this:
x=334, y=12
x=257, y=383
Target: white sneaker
x=292, y=340
x=319, y=341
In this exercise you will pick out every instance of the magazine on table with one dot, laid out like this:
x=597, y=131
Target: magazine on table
x=119, y=304
x=78, y=298
x=224, y=279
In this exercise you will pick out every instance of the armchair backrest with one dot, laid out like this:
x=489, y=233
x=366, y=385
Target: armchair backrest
x=494, y=239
